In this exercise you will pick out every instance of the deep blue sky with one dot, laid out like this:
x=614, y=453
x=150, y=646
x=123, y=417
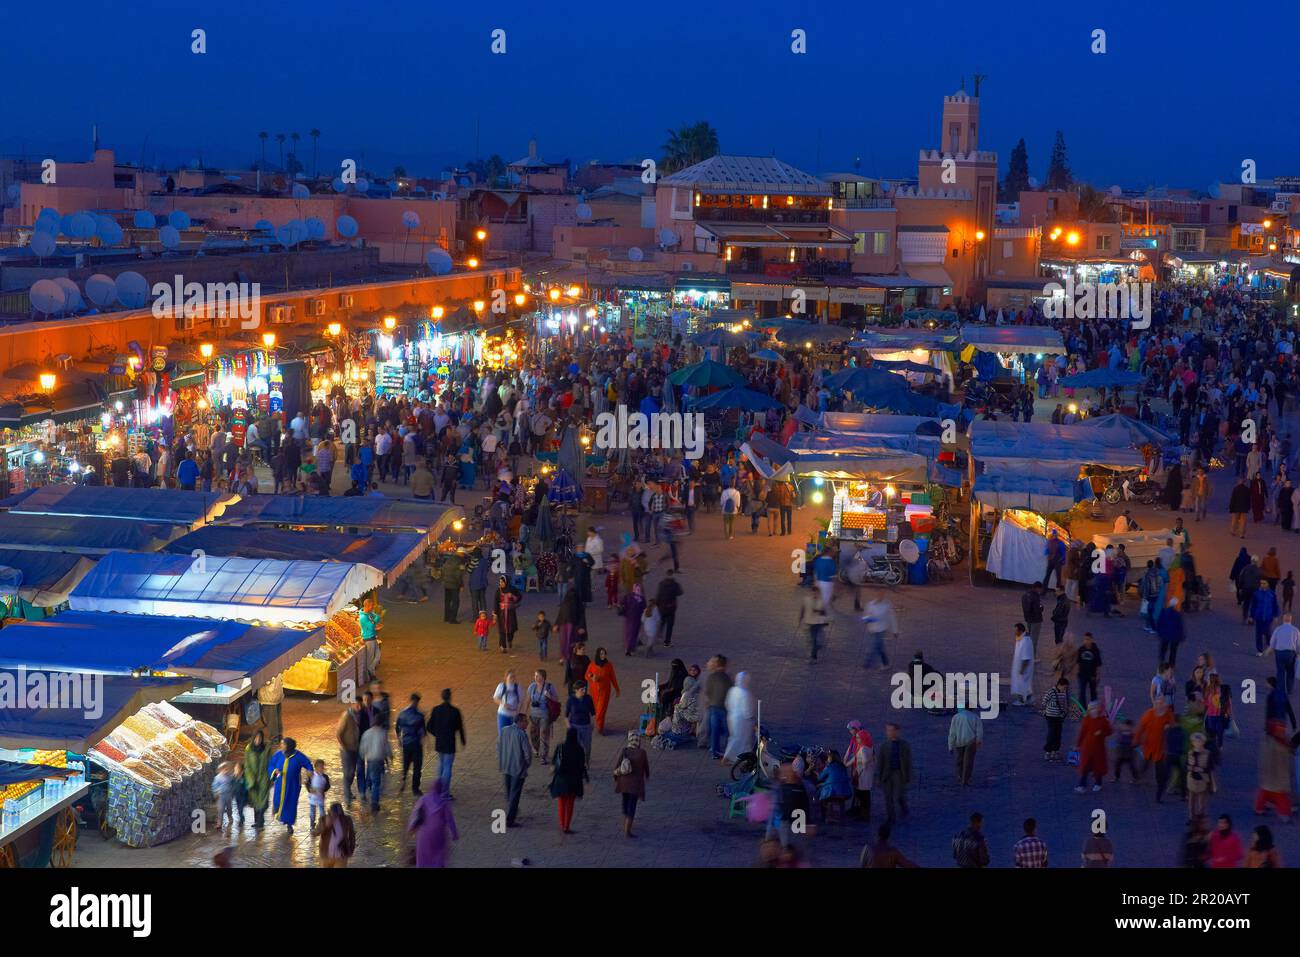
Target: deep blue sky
x=1180, y=98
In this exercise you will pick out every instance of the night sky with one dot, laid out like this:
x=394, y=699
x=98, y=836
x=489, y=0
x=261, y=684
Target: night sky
x=1182, y=96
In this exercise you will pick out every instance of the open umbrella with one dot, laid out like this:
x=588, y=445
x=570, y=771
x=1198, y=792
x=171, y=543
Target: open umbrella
x=737, y=397
x=706, y=375
x=767, y=355
x=866, y=378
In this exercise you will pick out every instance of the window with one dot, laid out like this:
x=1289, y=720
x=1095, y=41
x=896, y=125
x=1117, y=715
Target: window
x=1103, y=242
x=1051, y=204
x=681, y=200
x=954, y=137
x=1008, y=249
x=874, y=242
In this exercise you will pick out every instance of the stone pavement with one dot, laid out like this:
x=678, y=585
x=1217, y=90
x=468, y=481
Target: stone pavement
x=741, y=599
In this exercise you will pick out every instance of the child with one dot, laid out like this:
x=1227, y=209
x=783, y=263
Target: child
x=542, y=629
x=320, y=783
x=1125, y=751
x=223, y=786
x=482, y=626
x=611, y=583
x=1288, y=591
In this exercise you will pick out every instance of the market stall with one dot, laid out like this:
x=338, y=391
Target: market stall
x=79, y=535
x=343, y=513
x=267, y=591
x=152, y=505
x=34, y=583
x=1017, y=548
x=1141, y=546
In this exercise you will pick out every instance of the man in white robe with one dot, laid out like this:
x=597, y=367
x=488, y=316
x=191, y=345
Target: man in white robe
x=1022, y=668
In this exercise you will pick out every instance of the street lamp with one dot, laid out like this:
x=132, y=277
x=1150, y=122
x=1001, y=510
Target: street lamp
x=390, y=323
x=575, y=291
x=979, y=235
x=205, y=350
x=519, y=299
x=268, y=339
x=1072, y=238
x=481, y=235
x=436, y=312
x=48, y=380
x=472, y=263
x=334, y=328
x=479, y=305
x=555, y=295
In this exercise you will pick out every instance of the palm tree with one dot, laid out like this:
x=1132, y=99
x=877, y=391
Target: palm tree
x=315, y=135
x=1093, y=207
x=279, y=138
x=295, y=137
x=263, y=136
x=688, y=145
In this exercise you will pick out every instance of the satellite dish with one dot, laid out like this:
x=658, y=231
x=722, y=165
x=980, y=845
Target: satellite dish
x=14, y=191
x=908, y=551
x=42, y=244
x=338, y=184
x=48, y=213
x=315, y=228
x=83, y=225
x=635, y=254
x=132, y=290
x=47, y=296
x=264, y=226
x=284, y=235
x=300, y=191
x=144, y=219
x=47, y=225
x=169, y=236
x=1115, y=191
x=179, y=219
x=411, y=219
x=667, y=237
x=347, y=226
x=71, y=294
x=584, y=211
x=1033, y=182
x=439, y=262
x=108, y=231
x=65, y=225
x=101, y=290
x=298, y=229
x=1213, y=190
x=363, y=185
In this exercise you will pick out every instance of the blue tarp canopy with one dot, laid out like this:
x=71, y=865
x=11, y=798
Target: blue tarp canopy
x=45, y=578
x=855, y=461
x=86, y=536
x=1033, y=492
x=1139, y=433
x=220, y=652
x=865, y=423
x=1103, y=378
x=158, y=505
x=18, y=772
x=253, y=589
x=344, y=511
x=906, y=365
x=900, y=340
x=389, y=552
x=104, y=705
x=737, y=397
x=1013, y=339
x=818, y=333
x=865, y=381
x=1001, y=443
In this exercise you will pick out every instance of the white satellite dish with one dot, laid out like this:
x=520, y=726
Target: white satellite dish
x=101, y=290
x=179, y=219
x=584, y=211
x=300, y=191
x=71, y=294
x=132, y=290
x=667, y=237
x=908, y=551
x=315, y=228
x=635, y=254
x=338, y=184
x=47, y=296
x=144, y=219
x=347, y=226
x=42, y=244
x=83, y=225
x=363, y=185
x=169, y=236
x=411, y=219
x=438, y=261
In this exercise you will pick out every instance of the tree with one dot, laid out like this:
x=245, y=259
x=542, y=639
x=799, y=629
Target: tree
x=263, y=137
x=315, y=136
x=279, y=138
x=1058, y=167
x=295, y=137
x=688, y=145
x=485, y=171
x=1017, y=180
x=399, y=172
x=1093, y=207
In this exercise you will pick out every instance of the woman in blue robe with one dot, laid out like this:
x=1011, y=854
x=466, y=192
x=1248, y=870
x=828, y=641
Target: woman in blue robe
x=468, y=471
x=287, y=766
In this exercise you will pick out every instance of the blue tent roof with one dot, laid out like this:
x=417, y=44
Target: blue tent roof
x=159, y=505
x=100, y=642
x=74, y=533
x=1076, y=445
x=344, y=511
x=389, y=552
x=45, y=575
x=78, y=729
x=737, y=397
x=1034, y=492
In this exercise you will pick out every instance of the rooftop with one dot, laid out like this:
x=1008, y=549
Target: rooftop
x=748, y=174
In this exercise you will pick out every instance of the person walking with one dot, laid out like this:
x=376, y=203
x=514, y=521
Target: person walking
x=507, y=698
x=1171, y=631
x=1093, y=732
x=1060, y=618
x=1239, y=507
x=666, y=597
x=543, y=709
x=601, y=679
x=1263, y=609
x=376, y=754
x=338, y=838
x=813, y=614
x=1056, y=705
x=717, y=684
x=580, y=713
x=730, y=504
x=881, y=622
x=1275, y=765
x=453, y=580
x=570, y=764
x=431, y=823
x=965, y=735
x=1029, y=851
x=741, y=714
x=1022, y=667
x=257, y=779
x=348, y=735
x=410, y=729
x=1088, y=667
x=969, y=848
x=514, y=756
x=270, y=697
x=631, y=610
x=1031, y=604
x=1283, y=644
x=1150, y=740
x=631, y=772
x=445, y=723
x=894, y=772
x=507, y=602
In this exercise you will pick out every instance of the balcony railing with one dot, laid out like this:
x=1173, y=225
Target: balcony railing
x=729, y=214
x=865, y=202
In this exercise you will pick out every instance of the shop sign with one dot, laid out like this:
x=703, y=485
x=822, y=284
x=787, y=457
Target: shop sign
x=159, y=358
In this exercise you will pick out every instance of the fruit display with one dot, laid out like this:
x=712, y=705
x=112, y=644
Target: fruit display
x=317, y=673
x=161, y=764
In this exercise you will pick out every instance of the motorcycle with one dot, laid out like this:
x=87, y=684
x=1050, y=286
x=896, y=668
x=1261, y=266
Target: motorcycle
x=864, y=568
